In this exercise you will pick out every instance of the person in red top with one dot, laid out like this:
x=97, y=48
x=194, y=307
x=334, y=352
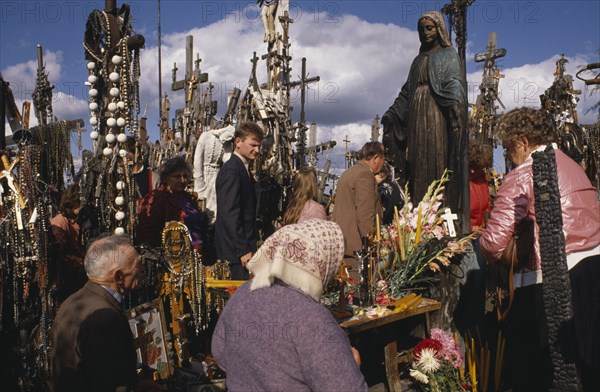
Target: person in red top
x=469, y=315
x=480, y=159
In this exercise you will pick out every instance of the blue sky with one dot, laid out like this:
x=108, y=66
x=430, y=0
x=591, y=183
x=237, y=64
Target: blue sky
x=361, y=50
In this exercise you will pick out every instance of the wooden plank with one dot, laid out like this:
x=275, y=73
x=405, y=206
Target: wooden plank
x=354, y=326
x=391, y=367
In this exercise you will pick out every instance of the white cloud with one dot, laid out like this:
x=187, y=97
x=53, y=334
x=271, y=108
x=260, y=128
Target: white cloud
x=523, y=85
x=362, y=67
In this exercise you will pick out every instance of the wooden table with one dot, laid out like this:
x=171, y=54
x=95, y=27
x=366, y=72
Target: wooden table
x=391, y=350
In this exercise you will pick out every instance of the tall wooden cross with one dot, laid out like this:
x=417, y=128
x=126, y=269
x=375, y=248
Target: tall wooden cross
x=191, y=86
x=375, y=129
x=192, y=77
x=283, y=50
x=485, y=113
x=457, y=15
x=347, y=153
x=303, y=84
x=253, y=80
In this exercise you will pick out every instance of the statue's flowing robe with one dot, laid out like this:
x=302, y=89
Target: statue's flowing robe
x=213, y=149
x=418, y=134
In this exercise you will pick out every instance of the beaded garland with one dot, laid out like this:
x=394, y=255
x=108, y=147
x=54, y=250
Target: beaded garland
x=113, y=78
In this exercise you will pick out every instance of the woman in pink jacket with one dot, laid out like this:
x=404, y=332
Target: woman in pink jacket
x=553, y=328
x=303, y=204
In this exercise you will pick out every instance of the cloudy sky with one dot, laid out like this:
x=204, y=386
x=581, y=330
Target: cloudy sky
x=361, y=49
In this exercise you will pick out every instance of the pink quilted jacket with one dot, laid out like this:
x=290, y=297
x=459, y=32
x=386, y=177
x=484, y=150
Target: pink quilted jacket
x=515, y=201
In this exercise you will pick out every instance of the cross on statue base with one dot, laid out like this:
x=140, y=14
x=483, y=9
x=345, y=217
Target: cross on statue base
x=449, y=219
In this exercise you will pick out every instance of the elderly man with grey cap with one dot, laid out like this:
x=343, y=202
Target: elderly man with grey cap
x=273, y=334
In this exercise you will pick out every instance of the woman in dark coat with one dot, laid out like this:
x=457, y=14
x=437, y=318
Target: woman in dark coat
x=170, y=202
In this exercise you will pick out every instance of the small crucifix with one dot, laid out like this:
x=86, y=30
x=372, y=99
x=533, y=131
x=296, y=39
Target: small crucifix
x=12, y=183
x=449, y=219
x=142, y=340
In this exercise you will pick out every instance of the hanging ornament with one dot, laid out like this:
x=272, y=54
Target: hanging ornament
x=110, y=138
x=91, y=65
x=119, y=231
x=94, y=135
x=121, y=138
x=114, y=77
x=107, y=151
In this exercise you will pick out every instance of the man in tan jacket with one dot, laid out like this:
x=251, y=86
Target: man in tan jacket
x=357, y=201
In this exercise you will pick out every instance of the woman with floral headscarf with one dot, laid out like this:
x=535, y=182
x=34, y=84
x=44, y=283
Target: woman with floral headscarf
x=273, y=334
x=425, y=120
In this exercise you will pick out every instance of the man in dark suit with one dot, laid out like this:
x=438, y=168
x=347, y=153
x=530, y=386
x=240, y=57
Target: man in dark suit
x=92, y=344
x=237, y=201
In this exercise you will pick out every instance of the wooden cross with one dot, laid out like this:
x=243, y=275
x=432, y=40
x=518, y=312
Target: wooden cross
x=449, y=219
x=272, y=67
x=285, y=21
x=346, y=142
x=486, y=107
x=457, y=15
x=491, y=53
x=303, y=84
x=375, y=129
x=143, y=339
x=190, y=73
x=253, y=80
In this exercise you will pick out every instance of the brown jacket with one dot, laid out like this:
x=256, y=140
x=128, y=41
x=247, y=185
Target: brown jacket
x=356, y=203
x=92, y=344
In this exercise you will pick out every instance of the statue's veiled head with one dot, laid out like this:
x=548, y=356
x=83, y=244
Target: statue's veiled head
x=440, y=28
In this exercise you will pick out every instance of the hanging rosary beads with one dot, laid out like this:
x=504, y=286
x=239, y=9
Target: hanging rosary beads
x=113, y=77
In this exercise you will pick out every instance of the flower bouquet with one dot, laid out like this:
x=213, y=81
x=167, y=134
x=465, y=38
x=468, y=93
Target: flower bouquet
x=417, y=241
x=437, y=364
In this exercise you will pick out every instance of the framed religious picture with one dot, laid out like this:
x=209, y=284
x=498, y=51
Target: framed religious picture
x=147, y=323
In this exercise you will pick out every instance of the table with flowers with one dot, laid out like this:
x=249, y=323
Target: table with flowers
x=354, y=326
x=401, y=258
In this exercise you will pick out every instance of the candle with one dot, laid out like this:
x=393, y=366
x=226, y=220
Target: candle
x=400, y=236
x=418, y=233
x=378, y=237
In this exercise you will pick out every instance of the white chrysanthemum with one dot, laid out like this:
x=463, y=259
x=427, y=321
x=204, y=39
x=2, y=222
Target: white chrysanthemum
x=420, y=377
x=428, y=360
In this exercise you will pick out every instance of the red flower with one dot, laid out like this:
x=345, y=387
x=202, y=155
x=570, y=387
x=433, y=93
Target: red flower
x=427, y=343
